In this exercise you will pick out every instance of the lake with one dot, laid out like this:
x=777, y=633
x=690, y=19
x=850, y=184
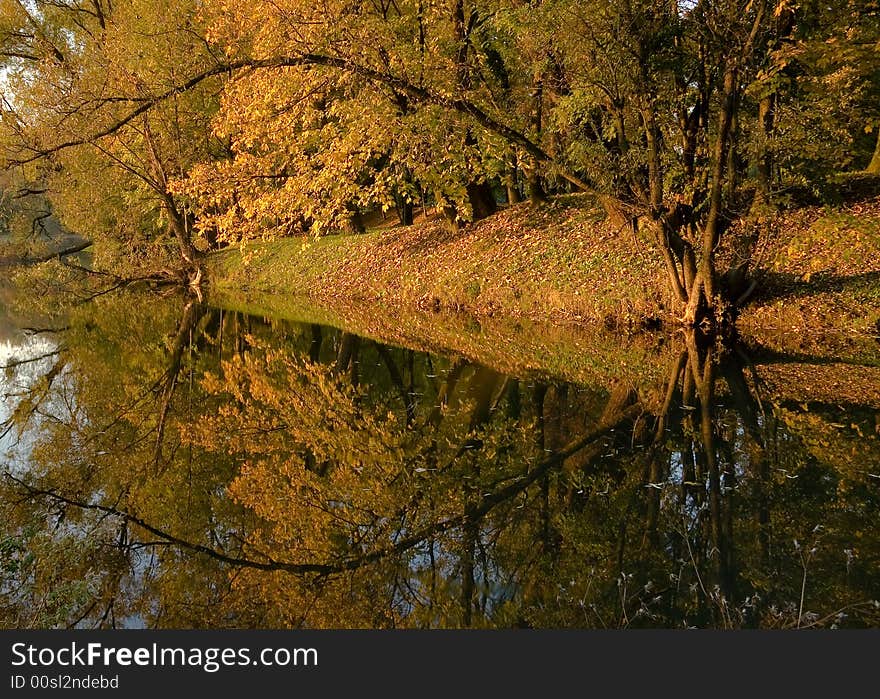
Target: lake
x=168, y=463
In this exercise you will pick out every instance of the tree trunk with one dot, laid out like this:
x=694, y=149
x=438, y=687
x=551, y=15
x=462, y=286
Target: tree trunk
x=181, y=230
x=874, y=166
x=513, y=196
x=534, y=188
x=355, y=222
x=481, y=199
x=784, y=24
x=702, y=299
x=732, y=157
x=764, y=160
x=405, y=211
x=403, y=198
x=179, y=224
x=450, y=213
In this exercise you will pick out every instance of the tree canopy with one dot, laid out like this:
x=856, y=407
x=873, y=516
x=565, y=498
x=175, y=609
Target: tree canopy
x=214, y=122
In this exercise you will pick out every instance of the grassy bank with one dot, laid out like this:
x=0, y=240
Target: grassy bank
x=819, y=280
x=560, y=263
x=818, y=270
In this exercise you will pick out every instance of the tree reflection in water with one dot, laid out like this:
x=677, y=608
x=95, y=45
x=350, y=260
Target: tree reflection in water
x=222, y=470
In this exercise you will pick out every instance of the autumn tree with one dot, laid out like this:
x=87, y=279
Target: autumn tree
x=671, y=114
x=82, y=80
x=828, y=72
x=647, y=96
x=315, y=138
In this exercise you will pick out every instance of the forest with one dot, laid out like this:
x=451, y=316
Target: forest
x=163, y=132
x=439, y=313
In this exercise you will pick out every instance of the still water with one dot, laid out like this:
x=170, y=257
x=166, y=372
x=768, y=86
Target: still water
x=171, y=464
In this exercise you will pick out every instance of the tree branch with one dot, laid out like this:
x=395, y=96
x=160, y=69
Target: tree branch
x=415, y=92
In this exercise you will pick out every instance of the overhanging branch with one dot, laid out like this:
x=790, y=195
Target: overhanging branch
x=415, y=92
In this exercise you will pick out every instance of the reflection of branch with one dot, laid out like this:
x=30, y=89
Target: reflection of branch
x=87, y=270
x=170, y=538
x=79, y=247
x=30, y=332
x=192, y=313
x=124, y=283
x=671, y=387
x=490, y=500
x=19, y=362
x=482, y=507
x=48, y=378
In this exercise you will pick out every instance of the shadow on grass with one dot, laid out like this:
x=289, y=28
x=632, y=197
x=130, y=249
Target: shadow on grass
x=775, y=286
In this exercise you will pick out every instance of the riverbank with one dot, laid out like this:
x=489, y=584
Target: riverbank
x=818, y=270
x=562, y=263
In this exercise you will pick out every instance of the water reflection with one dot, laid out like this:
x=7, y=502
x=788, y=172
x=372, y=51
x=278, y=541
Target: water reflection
x=31, y=384
x=225, y=470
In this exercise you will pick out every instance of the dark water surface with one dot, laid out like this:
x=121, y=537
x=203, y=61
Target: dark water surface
x=170, y=464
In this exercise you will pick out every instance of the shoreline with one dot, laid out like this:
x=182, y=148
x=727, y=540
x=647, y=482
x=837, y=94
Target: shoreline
x=520, y=263
x=818, y=272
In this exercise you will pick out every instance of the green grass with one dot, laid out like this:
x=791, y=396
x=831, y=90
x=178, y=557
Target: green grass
x=563, y=263
x=558, y=263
